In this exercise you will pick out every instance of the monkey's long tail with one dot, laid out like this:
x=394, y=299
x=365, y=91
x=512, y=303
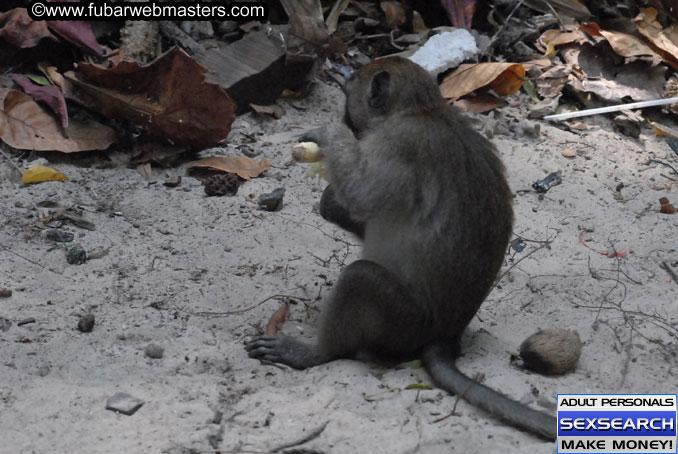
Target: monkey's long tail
x=440, y=363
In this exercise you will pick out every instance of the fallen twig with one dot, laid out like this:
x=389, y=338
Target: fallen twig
x=657, y=161
x=666, y=267
x=314, y=434
x=247, y=309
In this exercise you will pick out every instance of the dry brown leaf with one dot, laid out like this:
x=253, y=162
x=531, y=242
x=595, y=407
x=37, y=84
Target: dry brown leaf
x=572, y=8
x=18, y=29
x=245, y=168
x=169, y=97
x=503, y=78
x=478, y=104
x=622, y=43
x=556, y=37
x=395, y=14
x=26, y=125
x=146, y=171
x=550, y=84
x=273, y=110
x=537, y=63
x=664, y=130
x=637, y=80
x=664, y=41
x=308, y=36
x=277, y=320
x=418, y=25
x=333, y=18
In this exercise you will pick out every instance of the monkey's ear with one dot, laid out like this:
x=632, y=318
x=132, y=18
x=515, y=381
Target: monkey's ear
x=380, y=89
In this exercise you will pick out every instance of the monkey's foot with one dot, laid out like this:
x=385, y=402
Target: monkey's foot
x=285, y=350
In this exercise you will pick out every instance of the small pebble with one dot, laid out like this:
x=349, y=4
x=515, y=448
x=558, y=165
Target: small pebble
x=5, y=292
x=154, y=351
x=124, y=403
x=172, y=182
x=569, y=153
x=666, y=206
x=86, y=323
x=552, y=179
x=76, y=255
x=272, y=201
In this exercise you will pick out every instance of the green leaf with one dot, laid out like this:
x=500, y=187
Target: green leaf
x=38, y=79
x=414, y=364
x=531, y=90
x=418, y=386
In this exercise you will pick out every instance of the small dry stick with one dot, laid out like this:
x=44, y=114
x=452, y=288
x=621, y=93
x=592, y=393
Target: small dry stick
x=315, y=434
x=241, y=311
x=555, y=14
x=666, y=267
x=459, y=397
x=503, y=26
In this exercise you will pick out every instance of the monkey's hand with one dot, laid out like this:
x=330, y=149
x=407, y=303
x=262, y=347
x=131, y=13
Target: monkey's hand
x=328, y=136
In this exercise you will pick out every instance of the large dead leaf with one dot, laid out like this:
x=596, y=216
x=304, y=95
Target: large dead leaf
x=570, y=33
x=622, y=43
x=664, y=41
x=245, y=168
x=25, y=125
x=18, y=29
x=169, y=97
x=503, y=78
x=598, y=74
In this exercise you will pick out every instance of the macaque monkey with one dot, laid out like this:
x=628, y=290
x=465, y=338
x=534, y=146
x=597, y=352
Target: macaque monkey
x=428, y=196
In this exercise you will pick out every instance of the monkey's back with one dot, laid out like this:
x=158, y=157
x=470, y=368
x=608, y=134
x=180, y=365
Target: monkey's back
x=448, y=236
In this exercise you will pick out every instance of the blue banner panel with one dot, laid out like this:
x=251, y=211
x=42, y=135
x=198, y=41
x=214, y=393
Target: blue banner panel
x=621, y=423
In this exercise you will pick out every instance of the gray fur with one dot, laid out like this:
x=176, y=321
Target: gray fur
x=428, y=195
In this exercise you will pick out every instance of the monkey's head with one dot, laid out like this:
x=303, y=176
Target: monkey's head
x=387, y=86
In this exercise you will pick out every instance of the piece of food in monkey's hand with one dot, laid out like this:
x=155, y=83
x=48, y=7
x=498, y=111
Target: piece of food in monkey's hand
x=306, y=152
x=551, y=351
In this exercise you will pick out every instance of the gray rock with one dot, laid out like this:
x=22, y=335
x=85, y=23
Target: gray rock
x=86, y=323
x=273, y=201
x=629, y=123
x=154, y=351
x=123, y=403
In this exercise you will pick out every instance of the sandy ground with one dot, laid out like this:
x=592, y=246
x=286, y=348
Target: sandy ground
x=179, y=261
